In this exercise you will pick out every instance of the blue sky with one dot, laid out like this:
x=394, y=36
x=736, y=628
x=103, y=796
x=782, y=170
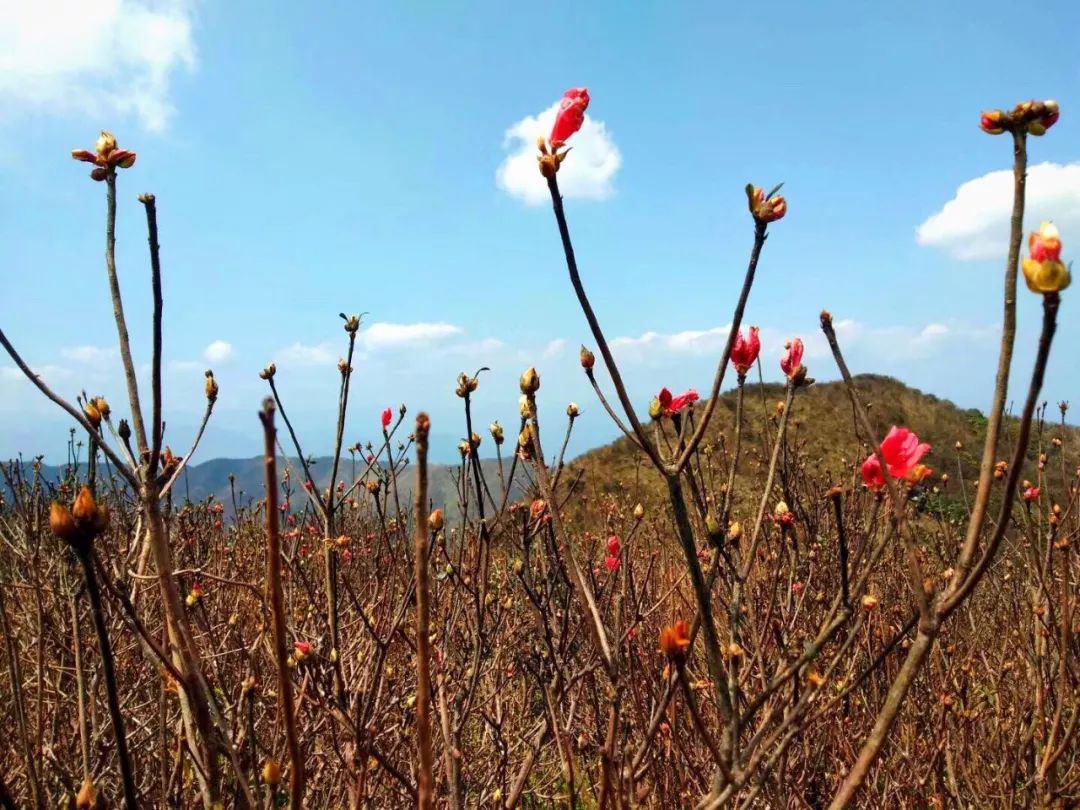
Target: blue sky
x=313, y=159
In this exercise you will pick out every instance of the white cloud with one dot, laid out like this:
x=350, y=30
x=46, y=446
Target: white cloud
x=218, y=352
x=105, y=58
x=690, y=341
x=974, y=224
x=587, y=173
x=405, y=335
x=89, y=355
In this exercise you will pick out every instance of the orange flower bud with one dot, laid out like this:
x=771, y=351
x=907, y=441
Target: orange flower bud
x=271, y=772
x=675, y=640
x=588, y=359
x=61, y=522
x=85, y=509
x=87, y=797
x=435, y=520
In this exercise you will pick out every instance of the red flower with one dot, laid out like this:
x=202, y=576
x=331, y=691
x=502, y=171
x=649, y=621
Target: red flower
x=614, y=545
x=671, y=405
x=387, y=415
x=871, y=472
x=902, y=451
x=612, y=564
x=570, y=117
x=745, y=351
x=1031, y=494
x=792, y=357
x=302, y=649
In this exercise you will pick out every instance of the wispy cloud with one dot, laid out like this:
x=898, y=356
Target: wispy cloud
x=381, y=336
x=588, y=173
x=105, y=58
x=96, y=356
x=302, y=354
x=894, y=342
x=974, y=224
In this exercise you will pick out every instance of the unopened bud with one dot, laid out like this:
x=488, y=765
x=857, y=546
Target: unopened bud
x=497, y=433
x=61, y=522
x=588, y=359
x=572, y=410
x=435, y=520
x=211, y=387
x=639, y=512
x=530, y=381
x=93, y=414
x=271, y=772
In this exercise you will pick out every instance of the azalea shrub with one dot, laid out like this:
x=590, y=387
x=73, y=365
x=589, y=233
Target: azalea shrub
x=742, y=624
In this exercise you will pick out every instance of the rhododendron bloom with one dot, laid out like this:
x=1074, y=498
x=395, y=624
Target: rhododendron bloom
x=671, y=405
x=387, y=415
x=791, y=360
x=745, y=351
x=302, y=649
x=902, y=451
x=570, y=117
x=1031, y=494
x=614, y=545
x=611, y=564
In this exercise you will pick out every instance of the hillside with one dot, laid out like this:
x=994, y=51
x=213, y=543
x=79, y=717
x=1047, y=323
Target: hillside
x=823, y=425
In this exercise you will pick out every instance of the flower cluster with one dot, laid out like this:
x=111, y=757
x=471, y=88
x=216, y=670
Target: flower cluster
x=1032, y=117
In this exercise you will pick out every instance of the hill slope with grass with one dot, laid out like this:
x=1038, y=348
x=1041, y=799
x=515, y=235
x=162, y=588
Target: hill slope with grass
x=822, y=424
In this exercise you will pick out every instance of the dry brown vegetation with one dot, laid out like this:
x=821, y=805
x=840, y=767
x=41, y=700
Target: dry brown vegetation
x=713, y=612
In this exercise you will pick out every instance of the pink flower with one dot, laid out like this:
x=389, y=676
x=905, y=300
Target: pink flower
x=387, y=415
x=301, y=650
x=871, y=472
x=672, y=404
x=902, y=451
x=612, y=564
x=791, y=360
x=745, y=351
x=570, y=117
x=614, y=545
x=1031, y=494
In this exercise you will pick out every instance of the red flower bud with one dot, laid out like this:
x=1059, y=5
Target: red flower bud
x=570, y=117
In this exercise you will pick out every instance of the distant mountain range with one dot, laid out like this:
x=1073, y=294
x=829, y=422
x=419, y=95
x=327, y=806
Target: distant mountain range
x=210, y=479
